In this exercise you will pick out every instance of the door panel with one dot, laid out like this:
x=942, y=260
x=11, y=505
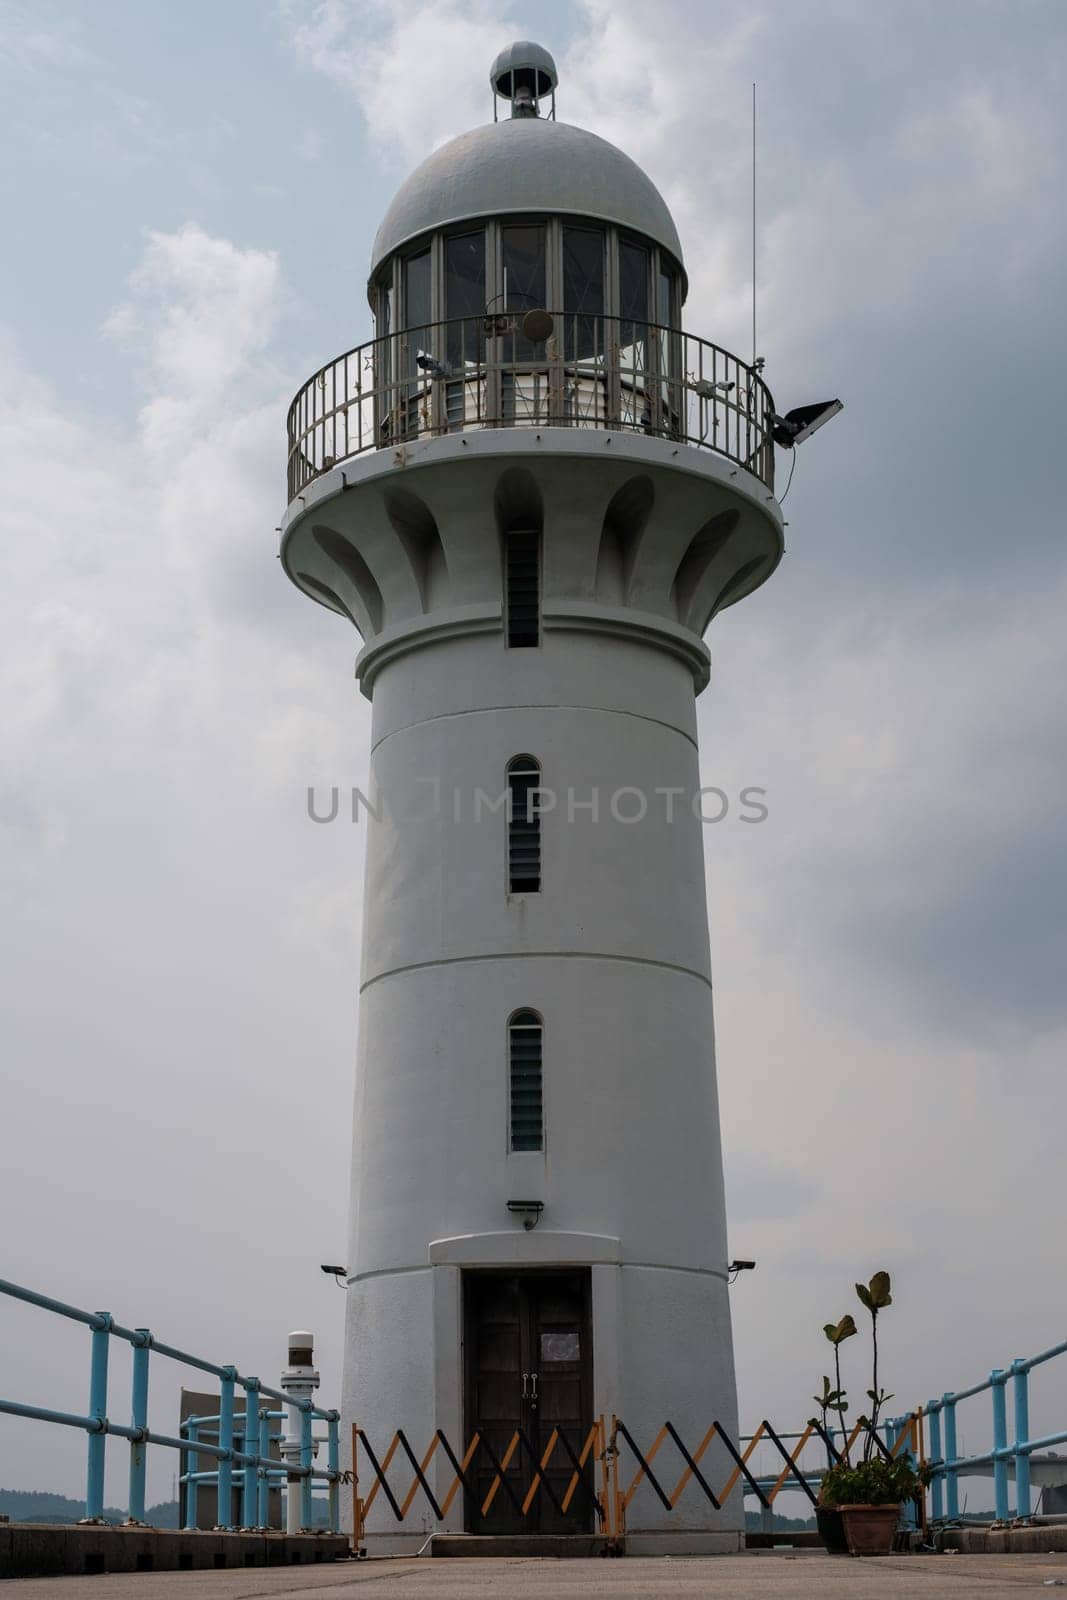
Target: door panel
x=558, y=1315
x=528, y=1352
x=494, y=1323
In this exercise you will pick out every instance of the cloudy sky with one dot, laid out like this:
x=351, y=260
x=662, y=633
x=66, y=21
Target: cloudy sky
x=190, y=197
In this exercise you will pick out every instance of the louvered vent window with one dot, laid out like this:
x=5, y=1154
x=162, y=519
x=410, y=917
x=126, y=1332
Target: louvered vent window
x=523, y=586
x=524, y=1068
x=524, y=826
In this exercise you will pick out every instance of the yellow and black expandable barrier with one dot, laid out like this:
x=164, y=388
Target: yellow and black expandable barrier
x=602, y=1448
x=581, y=1481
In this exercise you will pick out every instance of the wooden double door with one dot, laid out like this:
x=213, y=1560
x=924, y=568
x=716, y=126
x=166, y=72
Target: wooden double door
x=527, y=1341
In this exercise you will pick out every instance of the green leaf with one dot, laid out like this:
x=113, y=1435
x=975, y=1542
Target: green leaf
x=873, y=1482
x=879, y=1290
x=838, y=1332
x=865, y=1296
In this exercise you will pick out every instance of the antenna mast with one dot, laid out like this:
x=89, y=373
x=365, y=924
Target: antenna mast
x=753, y=224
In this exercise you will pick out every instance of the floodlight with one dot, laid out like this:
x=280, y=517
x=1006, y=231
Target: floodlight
x=529, y=1210
x=798, y=424
x=707, y=390
x=338, y=1274
x=436, y=369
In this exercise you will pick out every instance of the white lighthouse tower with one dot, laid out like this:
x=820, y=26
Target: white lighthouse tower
x=531, y=493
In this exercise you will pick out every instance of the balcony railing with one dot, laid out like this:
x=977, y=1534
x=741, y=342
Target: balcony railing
x=484, y=372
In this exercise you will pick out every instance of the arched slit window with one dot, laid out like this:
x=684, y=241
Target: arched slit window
x=522, y=549
x=524, y=826
x=526, y=1112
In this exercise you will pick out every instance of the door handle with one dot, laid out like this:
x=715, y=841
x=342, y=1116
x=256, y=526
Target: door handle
x=533, y=1381
x=525, y=1383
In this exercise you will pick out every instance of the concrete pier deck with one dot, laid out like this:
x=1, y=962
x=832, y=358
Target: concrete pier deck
x=759, y=1575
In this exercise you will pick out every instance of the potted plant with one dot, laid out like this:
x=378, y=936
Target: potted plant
x=828, y=1518
x=866, y=1496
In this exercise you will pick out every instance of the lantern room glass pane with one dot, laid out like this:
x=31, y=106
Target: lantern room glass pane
x=583, y=292
x=665, y=299
x=668, y=346
x=383, y=355
x=524, y=266
x=634, y=275
x=523, y=289
x=464, y=297
x=417, y=312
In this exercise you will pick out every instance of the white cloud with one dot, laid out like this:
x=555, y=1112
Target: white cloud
x=418, y=73
x=169, y=698
x=181, y=937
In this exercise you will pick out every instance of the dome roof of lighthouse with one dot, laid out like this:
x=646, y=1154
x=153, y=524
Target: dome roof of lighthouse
x=521, y=165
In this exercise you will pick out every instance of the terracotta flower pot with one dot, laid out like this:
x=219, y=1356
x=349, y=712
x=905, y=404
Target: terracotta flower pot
x=870, y=1529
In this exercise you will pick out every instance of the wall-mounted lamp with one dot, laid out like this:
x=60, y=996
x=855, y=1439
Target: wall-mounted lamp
x=338, y=1274
x=737, y=1267
x=529, y=1210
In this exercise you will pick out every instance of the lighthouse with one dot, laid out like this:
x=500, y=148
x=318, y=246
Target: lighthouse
x=531, y=493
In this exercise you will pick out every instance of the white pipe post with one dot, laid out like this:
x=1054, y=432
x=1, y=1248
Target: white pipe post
x=299, y=1381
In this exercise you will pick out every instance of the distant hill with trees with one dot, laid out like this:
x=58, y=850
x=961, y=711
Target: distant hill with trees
x=40, y=1505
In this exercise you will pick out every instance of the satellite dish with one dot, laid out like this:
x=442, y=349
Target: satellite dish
x=537, y=326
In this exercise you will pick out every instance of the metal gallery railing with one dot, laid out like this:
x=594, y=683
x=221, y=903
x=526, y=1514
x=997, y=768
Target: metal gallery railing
x=258, y=1470
x=486, y=372
x=1009, y=1452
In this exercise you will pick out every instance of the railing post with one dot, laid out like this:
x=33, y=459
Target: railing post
x=902, y=1429
x=952, y=1493
x=1020, y=1374
x=98, y=1354
x=333, y=1462
x=224, y=1476
x=139, y=1420
x=251, y=1449
x=998, y=1384
x=192, y=1467
x=264, y=1471
x=305, y=1462
x=937, y=1484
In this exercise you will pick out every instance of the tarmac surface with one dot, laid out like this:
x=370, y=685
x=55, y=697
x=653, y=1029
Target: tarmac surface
x=759, y=1575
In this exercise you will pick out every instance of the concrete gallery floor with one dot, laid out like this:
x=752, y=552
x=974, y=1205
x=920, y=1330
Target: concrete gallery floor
x=763, y=1575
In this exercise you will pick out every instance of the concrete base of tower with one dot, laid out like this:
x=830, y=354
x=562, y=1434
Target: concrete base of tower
x=575, y=1547
x=727, y=1543
x=660, y=1351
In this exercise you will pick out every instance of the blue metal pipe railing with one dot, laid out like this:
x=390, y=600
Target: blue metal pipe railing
x=948, y=1466
x=257, y=1467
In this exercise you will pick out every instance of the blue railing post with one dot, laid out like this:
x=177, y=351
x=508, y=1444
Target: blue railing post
x=251, y=1447
x=1020, y=1374
x=937, y=1484
x=912, y=1509
x=998, y=1379
x=139, y=1421
x=333, y=1462
x=264, y=1471
x=192, y=1467
x=224, y=1479
x=305, y=1461
x=98, y=1354
x=952, y=1492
